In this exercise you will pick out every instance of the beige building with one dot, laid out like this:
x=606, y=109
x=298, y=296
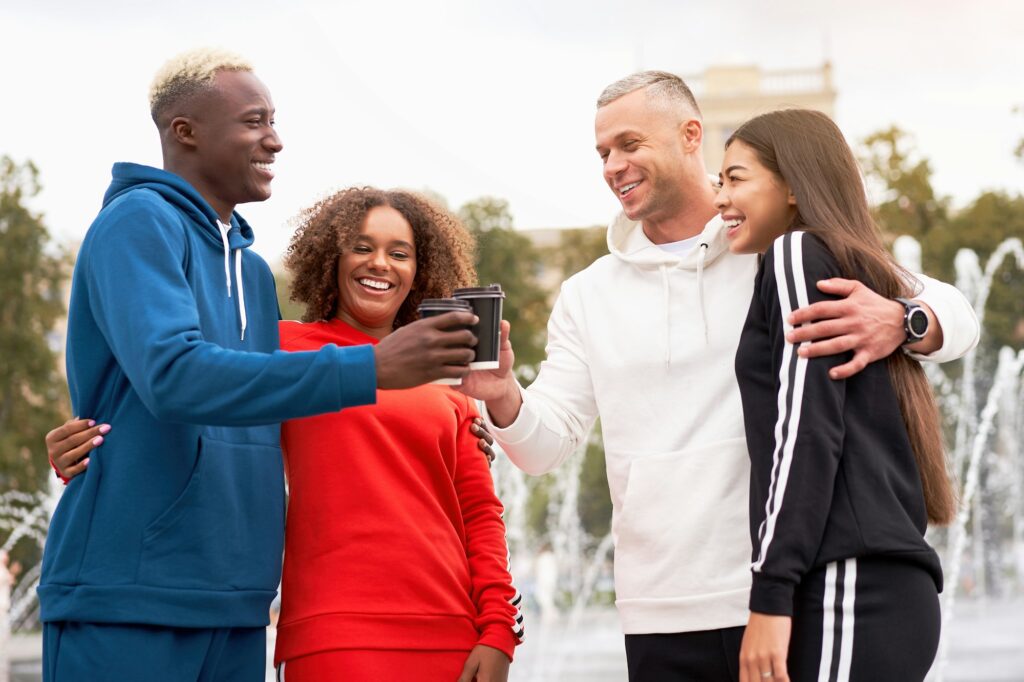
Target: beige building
x=729, y=95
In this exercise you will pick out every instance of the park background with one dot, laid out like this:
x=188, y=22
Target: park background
x=489, y=108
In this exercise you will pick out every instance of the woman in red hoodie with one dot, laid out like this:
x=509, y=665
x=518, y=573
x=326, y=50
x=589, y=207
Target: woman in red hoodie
x=396, y=565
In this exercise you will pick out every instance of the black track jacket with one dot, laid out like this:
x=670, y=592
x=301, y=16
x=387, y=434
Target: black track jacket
x=833, y=475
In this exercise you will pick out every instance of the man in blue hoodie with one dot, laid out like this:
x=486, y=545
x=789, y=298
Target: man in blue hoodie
x=162, y=563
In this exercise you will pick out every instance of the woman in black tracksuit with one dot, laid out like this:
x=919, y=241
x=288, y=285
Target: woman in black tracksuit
x=845, y=474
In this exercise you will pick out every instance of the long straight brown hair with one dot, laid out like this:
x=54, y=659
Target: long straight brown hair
x=807, y=150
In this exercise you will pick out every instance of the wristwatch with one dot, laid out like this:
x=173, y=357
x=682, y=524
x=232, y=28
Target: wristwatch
x=915, y=321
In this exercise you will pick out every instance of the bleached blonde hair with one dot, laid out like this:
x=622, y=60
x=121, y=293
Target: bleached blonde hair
x=188, y=74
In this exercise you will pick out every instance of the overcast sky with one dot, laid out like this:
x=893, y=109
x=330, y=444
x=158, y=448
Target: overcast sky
x=472, y=98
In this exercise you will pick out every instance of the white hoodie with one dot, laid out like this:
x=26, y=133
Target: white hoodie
x=647, y=340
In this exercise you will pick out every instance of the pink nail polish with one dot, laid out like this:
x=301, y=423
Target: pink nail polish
x=105, y=428
x=98, y=440
x=92, y=422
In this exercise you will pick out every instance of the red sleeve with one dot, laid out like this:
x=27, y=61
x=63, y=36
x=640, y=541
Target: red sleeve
x=498, y=620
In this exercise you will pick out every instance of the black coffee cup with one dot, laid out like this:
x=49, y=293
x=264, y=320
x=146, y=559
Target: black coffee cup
x=486, y=302
x=431, y=307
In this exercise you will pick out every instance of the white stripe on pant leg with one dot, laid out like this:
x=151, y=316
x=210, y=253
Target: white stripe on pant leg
x=849, y=593
x=828, y=623
x=280, y=672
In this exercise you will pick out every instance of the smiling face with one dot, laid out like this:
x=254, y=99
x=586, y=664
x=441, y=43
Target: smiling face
x=233, y=141
x=376, y=273
x=644, y=150
x=755, y=204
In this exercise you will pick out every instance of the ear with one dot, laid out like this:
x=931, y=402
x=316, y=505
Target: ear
x=791, y=199
x=692, y=133
x=182, y=131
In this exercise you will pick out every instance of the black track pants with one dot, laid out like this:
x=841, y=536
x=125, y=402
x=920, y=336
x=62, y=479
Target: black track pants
x=710, y=655
x=868, y=619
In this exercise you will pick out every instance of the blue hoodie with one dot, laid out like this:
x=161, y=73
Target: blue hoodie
x=172, y=337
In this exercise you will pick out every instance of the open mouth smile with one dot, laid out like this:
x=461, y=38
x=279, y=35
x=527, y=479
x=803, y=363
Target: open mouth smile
x=375, y=285
x=626, y=189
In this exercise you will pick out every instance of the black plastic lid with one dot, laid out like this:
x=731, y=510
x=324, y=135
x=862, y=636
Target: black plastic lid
x=491, y=289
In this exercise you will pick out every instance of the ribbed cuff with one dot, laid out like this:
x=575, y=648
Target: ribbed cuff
x=772, y=596
x=357, y=375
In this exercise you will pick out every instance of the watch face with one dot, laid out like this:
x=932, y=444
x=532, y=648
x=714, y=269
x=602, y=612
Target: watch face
x=918, y=322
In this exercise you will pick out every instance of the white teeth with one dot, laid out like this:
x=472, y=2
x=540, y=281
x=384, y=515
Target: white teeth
x=374, y=284
x=733, y=223
x=627, y=188
x=261, y=165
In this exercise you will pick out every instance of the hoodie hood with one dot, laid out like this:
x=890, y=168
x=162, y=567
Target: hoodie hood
x=627, y=241
x=184, y=197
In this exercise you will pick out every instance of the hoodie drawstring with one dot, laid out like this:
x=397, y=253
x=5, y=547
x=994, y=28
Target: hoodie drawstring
x=668, y=314
x=241, y=293
x=227, y=255
x=700, y=287
x=238, y=273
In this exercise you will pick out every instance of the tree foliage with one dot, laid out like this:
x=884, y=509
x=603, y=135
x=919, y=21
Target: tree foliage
x=33, y=396
x=578, y=248
x=509, y=258
x=910, y=206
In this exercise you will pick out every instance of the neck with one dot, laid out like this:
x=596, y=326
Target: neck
x=688, y=221
x=221, y=208
x=373, y=329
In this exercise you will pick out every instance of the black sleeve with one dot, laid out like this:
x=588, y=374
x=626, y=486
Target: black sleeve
x=808, y=431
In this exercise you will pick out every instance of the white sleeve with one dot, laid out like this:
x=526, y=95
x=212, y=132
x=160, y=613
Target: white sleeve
x=558, y=408
x=960, y=328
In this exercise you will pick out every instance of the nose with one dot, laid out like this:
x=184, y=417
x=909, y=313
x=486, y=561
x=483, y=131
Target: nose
x=721, y=199
x=379, y=260
x=613, y=165
x=272, y=141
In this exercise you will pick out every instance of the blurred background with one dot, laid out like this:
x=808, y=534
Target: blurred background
x=489, y=109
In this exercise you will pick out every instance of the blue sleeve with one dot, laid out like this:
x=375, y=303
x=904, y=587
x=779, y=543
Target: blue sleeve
x=808, y=433
x=147, y=313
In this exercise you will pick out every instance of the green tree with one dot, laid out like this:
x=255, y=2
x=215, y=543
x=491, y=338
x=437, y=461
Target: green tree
x=578, y=248
x=909, y=205
x=507, y=257
x=988, y=221
x=33, y=397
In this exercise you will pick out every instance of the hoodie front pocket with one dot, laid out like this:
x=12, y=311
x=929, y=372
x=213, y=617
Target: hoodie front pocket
x=683, y=529
x=225, y=531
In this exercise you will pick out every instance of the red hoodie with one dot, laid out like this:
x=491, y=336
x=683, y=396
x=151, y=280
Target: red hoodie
x=394, y=535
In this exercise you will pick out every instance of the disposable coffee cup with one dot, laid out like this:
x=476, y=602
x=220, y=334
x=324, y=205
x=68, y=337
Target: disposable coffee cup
x=486, y=302
x=431, y=307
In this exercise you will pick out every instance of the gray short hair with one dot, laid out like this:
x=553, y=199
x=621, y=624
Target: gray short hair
x=663, y=87
x=187, y=74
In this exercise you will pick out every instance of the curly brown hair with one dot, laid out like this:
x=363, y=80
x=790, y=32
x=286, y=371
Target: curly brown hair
x=444, y=249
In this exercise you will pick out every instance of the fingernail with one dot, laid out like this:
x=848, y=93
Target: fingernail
x=85, y=462
x=98, y=440
x=92, y=422
x=105, y=428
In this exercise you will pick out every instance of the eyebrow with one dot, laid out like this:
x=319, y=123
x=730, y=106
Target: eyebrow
x=730, y=169
x=397, y=242
x=262, y=111
x=619, y=136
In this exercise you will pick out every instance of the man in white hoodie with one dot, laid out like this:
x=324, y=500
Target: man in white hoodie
x=646, y=338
